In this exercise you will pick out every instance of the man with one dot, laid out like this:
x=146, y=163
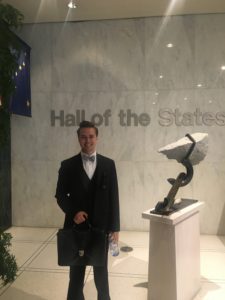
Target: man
x=87, y=189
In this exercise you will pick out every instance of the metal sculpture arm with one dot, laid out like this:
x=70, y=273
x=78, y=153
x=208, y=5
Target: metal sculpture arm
x=182, y=179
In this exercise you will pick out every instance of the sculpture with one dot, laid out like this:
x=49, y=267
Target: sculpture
x=188, y=151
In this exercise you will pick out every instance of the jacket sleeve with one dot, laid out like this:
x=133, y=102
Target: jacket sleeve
x=114, y=211
x=63, y=191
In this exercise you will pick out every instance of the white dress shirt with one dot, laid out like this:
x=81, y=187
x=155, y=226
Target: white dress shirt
x=89, y=166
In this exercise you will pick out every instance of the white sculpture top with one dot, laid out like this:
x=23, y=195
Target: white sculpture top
x=179, y=149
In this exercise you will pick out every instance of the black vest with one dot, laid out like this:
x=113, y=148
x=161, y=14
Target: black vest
x=89, y=197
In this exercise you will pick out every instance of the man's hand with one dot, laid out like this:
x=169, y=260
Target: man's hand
x=114, y=236
x=80, y=217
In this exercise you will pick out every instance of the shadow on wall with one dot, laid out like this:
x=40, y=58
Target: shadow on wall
x=14, y=293
x=142, y=285
x=221, y=227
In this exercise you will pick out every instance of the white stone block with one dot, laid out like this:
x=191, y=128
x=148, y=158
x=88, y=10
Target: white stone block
x=179, y=149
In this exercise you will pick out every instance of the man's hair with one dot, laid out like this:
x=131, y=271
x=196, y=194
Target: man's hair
x=87, y=124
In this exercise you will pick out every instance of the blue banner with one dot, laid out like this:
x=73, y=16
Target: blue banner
x=21, y=100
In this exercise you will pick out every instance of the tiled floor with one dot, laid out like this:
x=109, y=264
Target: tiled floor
x=40, y=278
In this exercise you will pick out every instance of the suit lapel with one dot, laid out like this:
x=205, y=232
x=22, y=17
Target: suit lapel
x=100, y=172
x=80, y=170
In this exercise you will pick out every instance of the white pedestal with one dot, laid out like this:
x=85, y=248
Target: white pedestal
x=174, y=254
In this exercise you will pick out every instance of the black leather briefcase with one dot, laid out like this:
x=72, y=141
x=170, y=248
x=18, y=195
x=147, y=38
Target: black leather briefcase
x=79, y=247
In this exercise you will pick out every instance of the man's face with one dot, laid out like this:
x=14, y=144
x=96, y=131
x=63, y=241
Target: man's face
x=88, y=140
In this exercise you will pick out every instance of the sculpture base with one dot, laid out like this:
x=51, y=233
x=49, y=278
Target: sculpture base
x=174, y=254
x=176, y=207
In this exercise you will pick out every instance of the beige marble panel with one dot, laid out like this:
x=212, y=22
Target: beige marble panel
x=111, y=67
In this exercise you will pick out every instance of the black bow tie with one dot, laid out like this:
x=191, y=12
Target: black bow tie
x=90, y=158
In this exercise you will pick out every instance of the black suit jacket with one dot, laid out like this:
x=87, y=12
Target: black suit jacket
x=102, y=205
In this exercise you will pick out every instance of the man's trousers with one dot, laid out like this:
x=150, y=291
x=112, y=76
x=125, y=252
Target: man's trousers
x=76, y=283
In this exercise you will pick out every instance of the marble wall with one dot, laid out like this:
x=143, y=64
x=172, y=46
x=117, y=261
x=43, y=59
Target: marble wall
x=142, y=94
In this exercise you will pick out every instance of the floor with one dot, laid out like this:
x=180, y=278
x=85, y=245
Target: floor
x=40, y=278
